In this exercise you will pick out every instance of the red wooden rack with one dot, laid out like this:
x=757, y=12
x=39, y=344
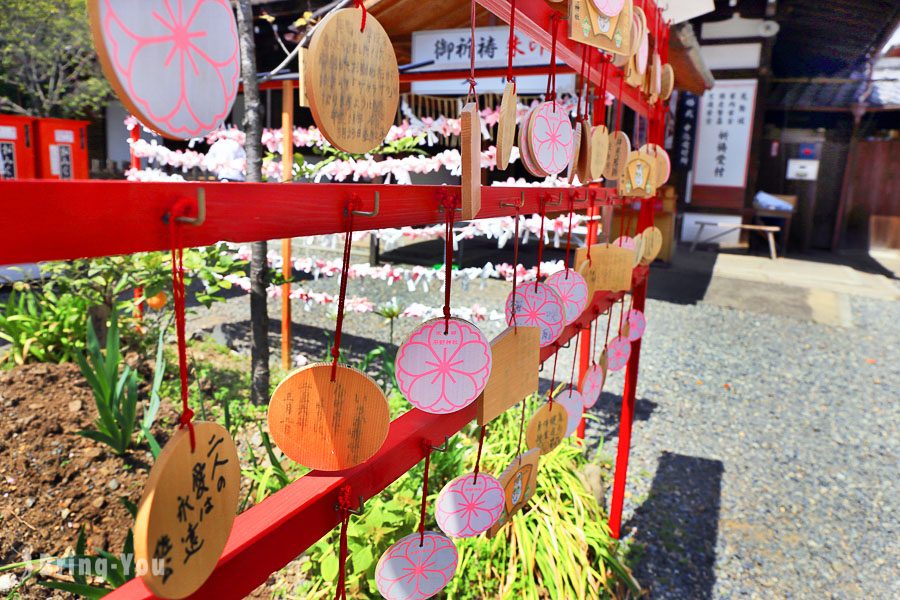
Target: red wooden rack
x=54, y=220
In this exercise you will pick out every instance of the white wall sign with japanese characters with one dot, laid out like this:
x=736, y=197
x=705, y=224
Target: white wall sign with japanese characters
x=723, y=134
x=449, y=49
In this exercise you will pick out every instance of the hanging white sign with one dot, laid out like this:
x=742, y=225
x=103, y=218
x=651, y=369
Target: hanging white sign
x=449, y=51
x=724, y=131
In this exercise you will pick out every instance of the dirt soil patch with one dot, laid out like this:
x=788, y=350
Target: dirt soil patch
x=52, y=481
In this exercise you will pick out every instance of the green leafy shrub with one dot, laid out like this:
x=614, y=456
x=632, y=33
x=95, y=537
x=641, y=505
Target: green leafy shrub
x=557, y=547
x=115, y=395
x=42, y=325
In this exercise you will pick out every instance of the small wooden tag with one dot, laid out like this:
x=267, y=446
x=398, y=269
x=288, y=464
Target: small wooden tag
x=653, y=240
x=619, y=147
x=506, y=126
x=599, y=150
x=471, y=161
x=585, y=154
x=668, y=81
x=610, y=268
x=547, y=427
x=187, y=510
x=519, y=482
x=576, y=154
x=514, y=373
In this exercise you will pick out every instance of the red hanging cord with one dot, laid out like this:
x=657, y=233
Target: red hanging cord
x=521, y=428
x=621, y=313
x=472, y=57
x=552, y=379
x=424, y=496
x=551, y=78
x=343, y=549
x=362, y=5
x=596, y=326
x=515, y=271
x=604, y=80
x=510, y=43
x=178, y=300
x=449, y=210
x=478, y=458
x=540, y=255
x=608, y=322
x=583, y=84
x=574, y=358
x=345, y=268
x=569, y=234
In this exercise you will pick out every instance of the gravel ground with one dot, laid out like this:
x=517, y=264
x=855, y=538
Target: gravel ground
x=765, y=449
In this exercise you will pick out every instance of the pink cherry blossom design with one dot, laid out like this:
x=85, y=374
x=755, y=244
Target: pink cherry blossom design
x=572, y=290
x=443, y=373
x=416, y=568
x=178, y=62
x=625, y=241
x=592, y=385
x=637, y=324
x=618, y=352
x=552, y=138
x=469, y=505
x=573, y=402
x=610, y=8
x=537, y=305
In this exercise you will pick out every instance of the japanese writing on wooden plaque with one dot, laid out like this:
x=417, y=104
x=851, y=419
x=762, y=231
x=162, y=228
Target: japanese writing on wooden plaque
x=609, y=269
x=187, y=510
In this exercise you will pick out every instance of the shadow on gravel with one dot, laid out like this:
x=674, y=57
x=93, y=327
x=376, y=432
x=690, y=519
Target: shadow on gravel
x=608, y=410
x=677, y=526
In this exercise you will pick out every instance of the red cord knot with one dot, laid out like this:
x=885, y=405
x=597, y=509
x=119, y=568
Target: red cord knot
x=360, y=4
x=186, y=417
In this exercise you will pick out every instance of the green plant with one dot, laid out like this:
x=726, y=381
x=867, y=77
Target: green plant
x=115, y=395
x=267, y=477
x=41, y=325
x=390, y=311
x=557, y=547
x=114, y=571
x=152, y=407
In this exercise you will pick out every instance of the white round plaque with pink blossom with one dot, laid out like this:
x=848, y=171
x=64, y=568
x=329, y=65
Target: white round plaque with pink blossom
x=637, y=324
x=551, y=138
x=537, y=305
x=469, y=505
x=592, y=384
x=443, y=365
x=416, y=567
x=174, y=65
x=572, y=290
x=573, y=402
x=617, y=353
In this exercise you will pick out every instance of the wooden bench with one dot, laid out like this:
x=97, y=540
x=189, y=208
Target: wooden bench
x=768, y=230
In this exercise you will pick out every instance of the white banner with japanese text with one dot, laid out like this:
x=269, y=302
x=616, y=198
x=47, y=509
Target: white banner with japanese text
x=724, y=132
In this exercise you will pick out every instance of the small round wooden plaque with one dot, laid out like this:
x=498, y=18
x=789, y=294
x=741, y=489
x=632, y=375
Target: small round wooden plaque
x=619, y=148
x=653, y=241
x=547, y=427
x=187, y=510
x=585, y=174
x=328, y=425
x=599, y=150
x=524, y=150
x=550, y=138
x=506, y=126
x=668, y=81
x=352, y=81
x=576, y=153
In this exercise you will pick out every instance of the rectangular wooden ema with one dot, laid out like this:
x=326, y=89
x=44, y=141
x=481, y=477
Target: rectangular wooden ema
x=514, y=371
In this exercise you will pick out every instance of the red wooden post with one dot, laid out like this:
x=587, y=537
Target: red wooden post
x=287, y=166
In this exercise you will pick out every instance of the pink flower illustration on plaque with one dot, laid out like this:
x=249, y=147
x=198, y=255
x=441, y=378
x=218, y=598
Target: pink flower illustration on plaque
x=177, y=62
x=537, y=305
x=610, y=8
x=572, y=290
x=637, y=324
x=469, y=505
x=552, y=138
x=443, y=373
x=618, y=352
x=592, y=385
x=573, y=402
x=416, y=568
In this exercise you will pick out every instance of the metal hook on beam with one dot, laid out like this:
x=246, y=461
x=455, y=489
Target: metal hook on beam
x=354, y=511
x=519, y=204
x=364, y=213
x=201, y=211
x=441, y=448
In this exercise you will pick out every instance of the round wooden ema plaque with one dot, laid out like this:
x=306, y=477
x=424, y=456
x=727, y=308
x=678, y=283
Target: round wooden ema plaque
x=576, y=153
x=416, y=567
x=187, y=510
x=638, y=248
x=635, y=325
x=524, y=151
x=656, y=76
x=573, y=402
x=585, y=153
x=537, y=305
x=550, y=138
x=444, y=365
x=619, y=149
x=506, y=126
x=352, y=81
x=662, y=166
x=653, y=241
x=572, y=290
x=617, y=353
x=547, y=427
x=592, y=384
x=599, y=150
x=177, y=71
x=668, y=81
x=328, y=425
x=642, y=58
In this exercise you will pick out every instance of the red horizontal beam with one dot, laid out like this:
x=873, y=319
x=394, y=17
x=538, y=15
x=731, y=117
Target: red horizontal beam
x=269, y=535
x=57, y=220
